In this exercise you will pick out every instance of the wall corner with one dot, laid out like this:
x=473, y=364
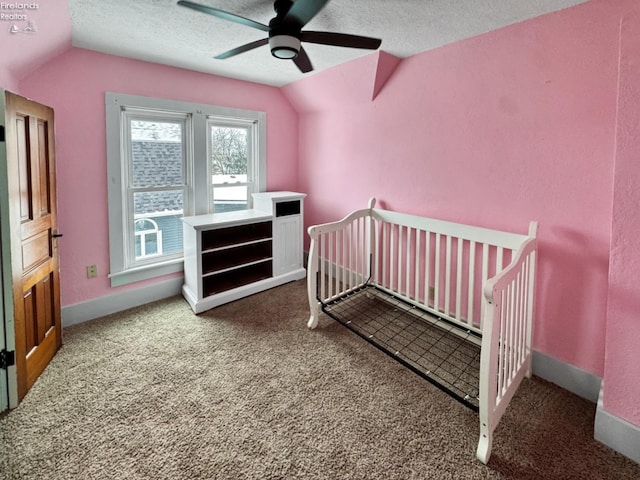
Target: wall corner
x=616, y=433
x=385, y=67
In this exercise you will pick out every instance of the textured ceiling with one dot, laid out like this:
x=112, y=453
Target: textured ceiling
x=161, y=31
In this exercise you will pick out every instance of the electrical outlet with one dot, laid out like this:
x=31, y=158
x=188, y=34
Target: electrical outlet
x=92, y=271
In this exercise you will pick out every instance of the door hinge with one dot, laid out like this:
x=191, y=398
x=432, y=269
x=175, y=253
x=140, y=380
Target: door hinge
x=7, y=359
x=1, y=133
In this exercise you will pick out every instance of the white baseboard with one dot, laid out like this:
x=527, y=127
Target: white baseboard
x=613, y=431
x=578, y=381
x=616, y=433
x=99, y=307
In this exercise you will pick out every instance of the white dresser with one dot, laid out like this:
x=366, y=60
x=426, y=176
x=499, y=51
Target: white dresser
x=230, y=255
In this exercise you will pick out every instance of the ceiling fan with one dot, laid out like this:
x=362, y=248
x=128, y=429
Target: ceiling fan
x=285, y=31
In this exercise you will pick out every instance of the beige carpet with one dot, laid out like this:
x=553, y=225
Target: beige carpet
x=246, y=391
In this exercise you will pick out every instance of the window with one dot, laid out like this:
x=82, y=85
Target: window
x=167, y=159
x=155, y=145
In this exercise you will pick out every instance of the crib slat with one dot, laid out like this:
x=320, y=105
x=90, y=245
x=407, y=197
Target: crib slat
x=447, y=276
x=436, y=279
x=510, y=339
x=354, y=253
x=337, y=269
x=367, y=249
x=501, y=347
x=349, y=234
x=331, y=238
x=459, y=280
x=410, y=235
x=416, y=285
x=505, y=375
x=531, y=262
x=392, y=255
x=322, y=260
x=472, y=273
x=356, y=250
x=519, y=323
x=505, y=338
x=345, y=254
x=402, y=244
x=523, y=308
x=385, y=256
x=516, y=329
x=485, y=271
x=398, y=258
x=525, y=297
x=338, y=260
x=375, y=263
x=427, y=268
x=361, y=250
x=347, y=257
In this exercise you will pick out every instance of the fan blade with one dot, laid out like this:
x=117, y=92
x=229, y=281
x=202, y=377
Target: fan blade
x=224, y=15
x=242, y=49
x=302, y=11
x=302, y=61
x=341, y=40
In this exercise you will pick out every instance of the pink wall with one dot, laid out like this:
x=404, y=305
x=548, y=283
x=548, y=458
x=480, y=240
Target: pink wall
x=74, y=84
x=622, y=359
x=497, y=130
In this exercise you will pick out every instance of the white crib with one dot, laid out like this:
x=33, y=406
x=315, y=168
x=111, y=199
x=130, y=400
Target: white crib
x=452, y=302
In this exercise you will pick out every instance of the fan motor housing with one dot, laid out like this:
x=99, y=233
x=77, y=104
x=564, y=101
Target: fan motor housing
x=284, y=46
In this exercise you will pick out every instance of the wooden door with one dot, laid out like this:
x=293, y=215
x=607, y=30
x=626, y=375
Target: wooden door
x=33, y=225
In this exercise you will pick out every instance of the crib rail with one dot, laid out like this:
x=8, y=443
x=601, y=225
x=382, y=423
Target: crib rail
x=506, y=344
x=439, y=266
x=339, y=259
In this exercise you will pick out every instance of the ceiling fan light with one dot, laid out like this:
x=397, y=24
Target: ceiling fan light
x=284, y=46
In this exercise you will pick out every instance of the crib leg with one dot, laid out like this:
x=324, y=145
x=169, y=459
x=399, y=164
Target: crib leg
x=484, y=445
x=313, y=319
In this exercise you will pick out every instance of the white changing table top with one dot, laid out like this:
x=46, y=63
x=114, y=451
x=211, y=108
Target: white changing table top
x=199, y=222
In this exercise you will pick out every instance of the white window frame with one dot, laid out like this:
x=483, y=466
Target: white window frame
x=198, y=191
x=128, y=115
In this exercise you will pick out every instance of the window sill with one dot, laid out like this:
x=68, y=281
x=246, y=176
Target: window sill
x=145, y=273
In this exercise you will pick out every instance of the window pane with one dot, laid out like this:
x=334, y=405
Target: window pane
x=228, y=151
x=228, y=199
x=164, y=209
x=147, y=245
x=151, y=244
x=148, y=238
x=229, y=165
x=156, y=153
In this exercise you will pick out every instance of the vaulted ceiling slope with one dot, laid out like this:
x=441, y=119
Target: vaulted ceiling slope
x=161, y=31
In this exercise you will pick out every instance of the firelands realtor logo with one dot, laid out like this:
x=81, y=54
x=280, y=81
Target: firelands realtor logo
x=19, y=16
